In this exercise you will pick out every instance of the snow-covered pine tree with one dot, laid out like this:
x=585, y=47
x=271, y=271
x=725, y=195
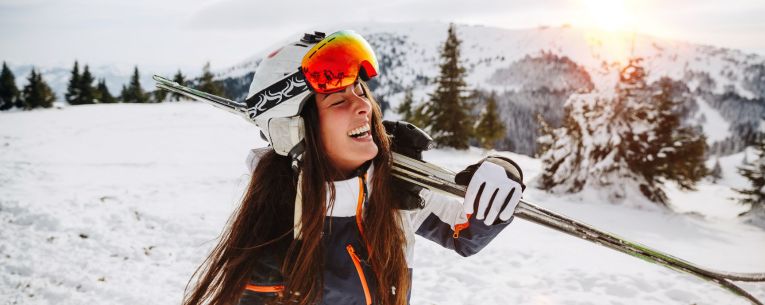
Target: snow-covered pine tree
x=668, y=151
x=716, y=172
x=133, y=93
x=754, y=195
x=207, y=84
x=37, y=93
x=446, y=111
x=72, y=95
x=9, y=93
x=87, y=92
x=181, y=80
x=489, y=128
x=625, y=143
x=546, y=136
x=102, y=93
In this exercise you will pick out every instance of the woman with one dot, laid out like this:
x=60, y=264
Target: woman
x=322, y=221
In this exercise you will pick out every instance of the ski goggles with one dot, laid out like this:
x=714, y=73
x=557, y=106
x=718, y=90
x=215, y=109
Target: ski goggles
x=337, y=61
x=333, y=64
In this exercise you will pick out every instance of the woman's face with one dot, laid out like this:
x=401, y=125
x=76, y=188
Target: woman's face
x=344, y=124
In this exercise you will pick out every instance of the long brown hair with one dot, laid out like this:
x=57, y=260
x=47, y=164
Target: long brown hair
x=265, y=216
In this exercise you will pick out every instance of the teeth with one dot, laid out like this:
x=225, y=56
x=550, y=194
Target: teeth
x=359, y=130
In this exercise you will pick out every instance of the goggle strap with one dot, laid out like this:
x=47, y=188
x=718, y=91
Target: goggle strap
x=278, y=92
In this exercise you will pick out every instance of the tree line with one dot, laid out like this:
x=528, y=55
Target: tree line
x=83, y=89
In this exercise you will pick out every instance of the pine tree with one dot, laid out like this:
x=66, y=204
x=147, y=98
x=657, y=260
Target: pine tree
x=489, y=127
x=754, y=195
x=37, y=93
x=668, y=151
x=159, y=95
x=406, y=108
x=72, y=95
x=546, y=136
x=181, y=80
x=9, y=93
x=87, y=92
x=123, y=94
x=447, y=111
x=716, y=172
x=207, y=84
x=102, y=93
x=563, y=150
x=626, y=143
x=133, y=93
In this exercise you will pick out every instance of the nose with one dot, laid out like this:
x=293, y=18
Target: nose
x=361, y=105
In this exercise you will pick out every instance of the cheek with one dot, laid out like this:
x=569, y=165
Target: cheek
x=332, y=130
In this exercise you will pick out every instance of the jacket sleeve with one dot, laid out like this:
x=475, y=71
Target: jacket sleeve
x=442, y=220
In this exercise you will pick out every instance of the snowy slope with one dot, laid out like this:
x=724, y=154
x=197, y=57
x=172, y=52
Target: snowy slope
x=117, y=204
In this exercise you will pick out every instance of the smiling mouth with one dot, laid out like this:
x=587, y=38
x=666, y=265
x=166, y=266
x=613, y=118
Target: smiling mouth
x=359, y=132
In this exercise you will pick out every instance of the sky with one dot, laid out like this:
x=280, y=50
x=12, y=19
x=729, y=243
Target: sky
x=167, y=35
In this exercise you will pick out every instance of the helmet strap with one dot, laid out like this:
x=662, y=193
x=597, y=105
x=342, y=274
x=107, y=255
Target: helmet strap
x=296, y=155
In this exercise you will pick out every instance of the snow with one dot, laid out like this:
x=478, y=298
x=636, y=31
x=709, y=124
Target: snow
x=118, y=204
x=715, y=127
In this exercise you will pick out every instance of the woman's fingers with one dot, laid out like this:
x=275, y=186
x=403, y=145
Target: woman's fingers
x=485, y=200
x=470, y=196
x=512, y=202
x=495, y=204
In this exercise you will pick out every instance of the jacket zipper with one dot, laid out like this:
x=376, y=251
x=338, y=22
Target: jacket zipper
x=461, y=226
x=256, y=288
x=357, y=263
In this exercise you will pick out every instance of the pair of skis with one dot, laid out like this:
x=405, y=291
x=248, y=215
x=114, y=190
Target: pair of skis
x=439, y=179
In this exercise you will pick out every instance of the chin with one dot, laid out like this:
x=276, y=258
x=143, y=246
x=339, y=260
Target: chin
x=370, y=153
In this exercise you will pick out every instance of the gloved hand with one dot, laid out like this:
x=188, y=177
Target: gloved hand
x=410, y=141
x=494, y=188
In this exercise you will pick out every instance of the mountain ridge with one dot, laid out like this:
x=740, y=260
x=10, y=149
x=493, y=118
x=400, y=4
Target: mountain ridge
x=534, y=71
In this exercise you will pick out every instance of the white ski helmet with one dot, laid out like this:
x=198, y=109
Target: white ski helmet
x=288, y=76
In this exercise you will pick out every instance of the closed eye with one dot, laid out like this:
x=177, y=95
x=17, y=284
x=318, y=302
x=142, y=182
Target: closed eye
x=337, y=103
x=360, y=90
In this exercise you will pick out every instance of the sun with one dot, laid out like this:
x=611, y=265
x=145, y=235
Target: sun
x=608, y=15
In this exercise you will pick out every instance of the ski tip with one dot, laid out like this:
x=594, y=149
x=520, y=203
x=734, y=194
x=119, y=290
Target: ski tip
x=161, y=79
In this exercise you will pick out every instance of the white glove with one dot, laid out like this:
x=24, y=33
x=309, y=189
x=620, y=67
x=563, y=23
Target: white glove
x=499, y=194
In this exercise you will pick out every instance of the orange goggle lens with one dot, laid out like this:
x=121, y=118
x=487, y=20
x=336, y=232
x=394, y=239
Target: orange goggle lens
x=337, y=61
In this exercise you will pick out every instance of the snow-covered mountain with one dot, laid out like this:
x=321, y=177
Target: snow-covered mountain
x=531, y=70
x=535, y=70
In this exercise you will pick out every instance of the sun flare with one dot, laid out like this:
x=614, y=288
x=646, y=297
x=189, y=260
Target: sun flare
x=608, y=15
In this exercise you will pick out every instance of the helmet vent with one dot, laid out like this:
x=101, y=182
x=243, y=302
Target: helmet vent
x=313, y=38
